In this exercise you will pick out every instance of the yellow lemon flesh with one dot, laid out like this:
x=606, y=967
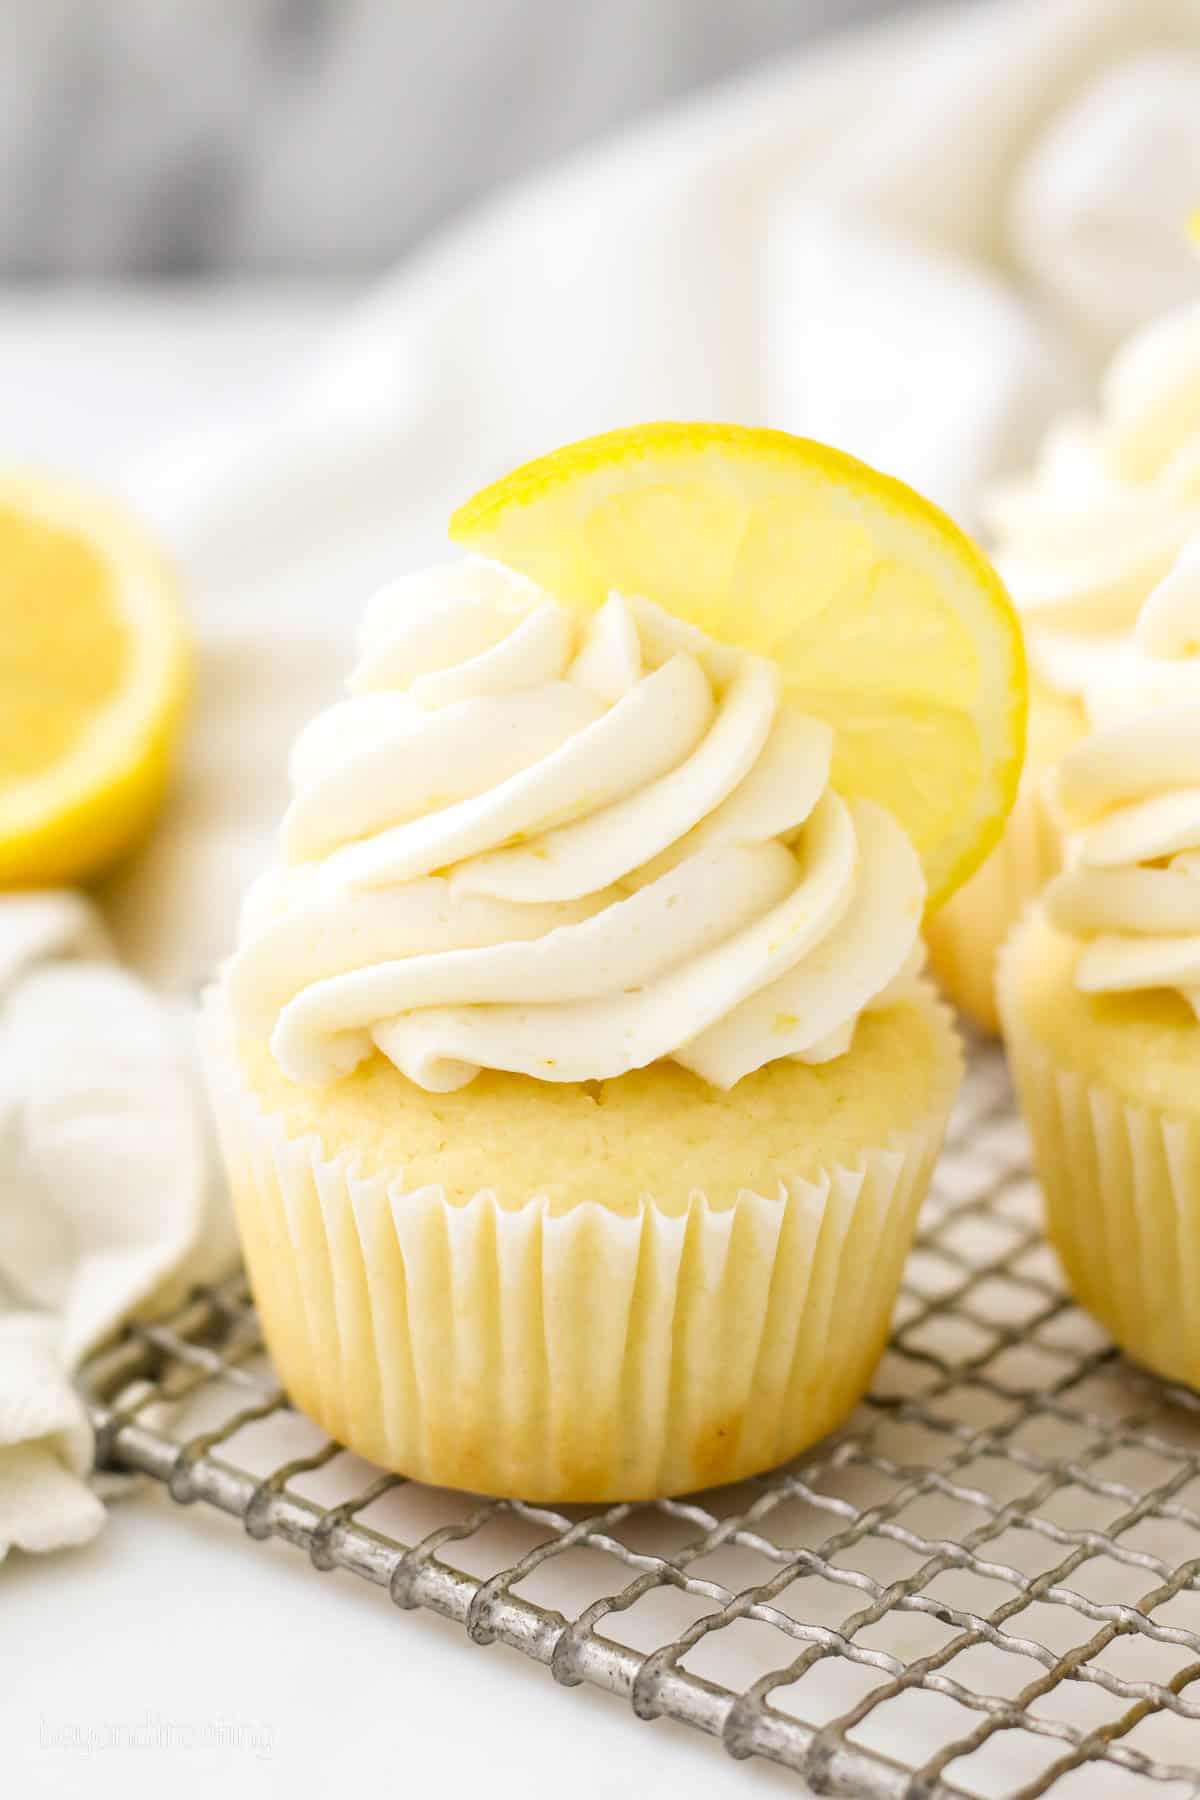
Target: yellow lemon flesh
x=887, y=621
x=93, y=678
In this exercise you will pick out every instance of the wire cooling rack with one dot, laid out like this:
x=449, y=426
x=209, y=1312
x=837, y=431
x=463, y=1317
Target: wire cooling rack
x=987, y=1584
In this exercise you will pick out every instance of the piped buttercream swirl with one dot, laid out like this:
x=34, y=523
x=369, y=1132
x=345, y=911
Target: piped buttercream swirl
x=1102, y=519
x=566, y=847
x=1132, y=794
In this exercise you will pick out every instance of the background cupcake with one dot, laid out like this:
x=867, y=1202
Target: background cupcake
x=1082, y=542
x=1100, y=993
x=576, y=1081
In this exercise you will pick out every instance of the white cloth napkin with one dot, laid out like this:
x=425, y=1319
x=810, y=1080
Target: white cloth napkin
x=108, y=1203
x=916, y=242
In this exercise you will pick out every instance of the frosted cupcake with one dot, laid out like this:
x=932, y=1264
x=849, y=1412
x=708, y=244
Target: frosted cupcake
x=1081, y=544
x=576, y=1080
x=1100, y=994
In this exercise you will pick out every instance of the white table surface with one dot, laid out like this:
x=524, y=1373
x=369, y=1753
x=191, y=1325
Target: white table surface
x=171, y=1620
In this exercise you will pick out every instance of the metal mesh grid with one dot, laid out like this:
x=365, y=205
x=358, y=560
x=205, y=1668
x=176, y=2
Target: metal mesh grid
x=988, y=1583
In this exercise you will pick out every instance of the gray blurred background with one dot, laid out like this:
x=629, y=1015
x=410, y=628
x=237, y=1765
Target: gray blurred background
x=142, y=138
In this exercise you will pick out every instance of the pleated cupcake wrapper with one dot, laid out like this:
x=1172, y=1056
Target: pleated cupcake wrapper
x=583, y=1356
x=965, y=935
x=1121, y=1184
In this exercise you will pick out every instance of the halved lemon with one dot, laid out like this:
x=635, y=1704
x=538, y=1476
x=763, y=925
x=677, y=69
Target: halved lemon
x=886, y=618
x=94, y=667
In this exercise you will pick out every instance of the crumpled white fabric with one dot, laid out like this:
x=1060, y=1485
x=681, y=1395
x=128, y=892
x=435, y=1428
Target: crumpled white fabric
x=108, y=1202
x=917, y=241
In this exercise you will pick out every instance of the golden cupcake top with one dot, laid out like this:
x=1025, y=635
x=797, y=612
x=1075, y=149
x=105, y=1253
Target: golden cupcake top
x=667, y=775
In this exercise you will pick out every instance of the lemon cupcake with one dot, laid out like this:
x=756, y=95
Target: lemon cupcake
x=576, y=1081
x=1080, y=545
x=1100, y=995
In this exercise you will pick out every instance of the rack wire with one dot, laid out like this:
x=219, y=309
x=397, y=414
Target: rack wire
x=988, y=1583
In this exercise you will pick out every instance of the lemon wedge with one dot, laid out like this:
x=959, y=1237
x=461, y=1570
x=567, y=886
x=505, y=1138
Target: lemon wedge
x=93, y=678
x=885, y=618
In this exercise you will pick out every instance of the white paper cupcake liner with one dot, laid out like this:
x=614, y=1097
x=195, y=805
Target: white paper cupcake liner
x=580, y=1356
x=1121, y=1183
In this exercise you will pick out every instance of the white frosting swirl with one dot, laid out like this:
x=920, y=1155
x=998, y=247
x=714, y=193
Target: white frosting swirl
x=1133, y=793
x=566, y=848
x=1099, y=524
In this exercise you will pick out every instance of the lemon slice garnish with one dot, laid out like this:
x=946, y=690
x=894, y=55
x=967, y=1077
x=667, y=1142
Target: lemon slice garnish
x=885, y=618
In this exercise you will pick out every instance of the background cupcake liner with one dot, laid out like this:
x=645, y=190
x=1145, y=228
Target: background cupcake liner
x=583, y=1356
x=1121, y=1183
x=965, y=936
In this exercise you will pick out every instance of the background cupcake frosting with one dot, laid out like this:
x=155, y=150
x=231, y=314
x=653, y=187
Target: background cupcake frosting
x=1131, y=794
x=1097, y=547
x=1112, y=501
